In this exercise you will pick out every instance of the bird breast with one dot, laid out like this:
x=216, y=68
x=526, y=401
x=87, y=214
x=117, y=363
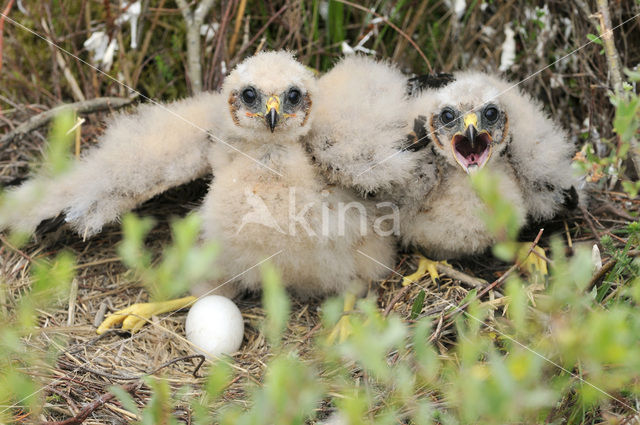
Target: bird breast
x=255, y=213
x=449, y=223
x=287, y=204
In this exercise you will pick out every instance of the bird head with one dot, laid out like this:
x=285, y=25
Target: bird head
x=470, y=135
x=468, y=123
x=270, y=96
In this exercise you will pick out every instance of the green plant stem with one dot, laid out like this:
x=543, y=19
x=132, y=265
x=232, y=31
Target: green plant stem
x=615, y=69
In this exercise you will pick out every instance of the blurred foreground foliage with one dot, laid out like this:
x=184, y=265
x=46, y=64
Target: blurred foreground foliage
x=556, y=353
x=21, y=391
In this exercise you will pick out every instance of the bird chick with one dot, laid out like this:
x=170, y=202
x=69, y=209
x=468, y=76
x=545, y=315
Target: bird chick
x=267, y=199
x=480, y=121
x=281, y=207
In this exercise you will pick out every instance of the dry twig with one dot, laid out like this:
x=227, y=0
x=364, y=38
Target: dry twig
x=395, y=28
x=83, y=107
x=498, y=281
x=91, y=407
x=236, y=27
x=194, y=20
x=5, y=12
x=606, y=268
x=200, y=357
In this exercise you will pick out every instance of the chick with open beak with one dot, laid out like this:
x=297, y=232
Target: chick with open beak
x=473, y=135
x=481, y=121
x=472, y=149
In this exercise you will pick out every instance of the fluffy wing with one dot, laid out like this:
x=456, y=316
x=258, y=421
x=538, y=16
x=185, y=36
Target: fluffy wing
x=540, y=153
x=360, y=125
x=140, y=155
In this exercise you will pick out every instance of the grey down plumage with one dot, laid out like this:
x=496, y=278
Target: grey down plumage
x=427, y=175
x=266, y=200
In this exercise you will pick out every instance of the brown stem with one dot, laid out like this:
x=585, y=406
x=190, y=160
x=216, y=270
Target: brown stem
x=83, y=107
x=91, y=407
x=417, y=19
x=462, y=277
x=145, y=44
x=263, y=29
x=395, y=299
x=615, y=69
x=606, y=33
x=200, y=357
x=236, y=27
x=218, y=52
x=193, y=20
x=395, y=28
x=606, y=268
x=5, y=12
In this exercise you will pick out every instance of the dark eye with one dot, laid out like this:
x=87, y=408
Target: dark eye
x=249, y=96
x=447, y=116
x=491, y=113
x=294, y=96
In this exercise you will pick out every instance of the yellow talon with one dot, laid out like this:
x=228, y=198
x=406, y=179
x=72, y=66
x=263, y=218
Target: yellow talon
x=343, y=328
x=534, y=265
x=134, y=317
x=425, y=266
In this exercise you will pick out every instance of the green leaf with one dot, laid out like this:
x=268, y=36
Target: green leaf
x=132, y=249
x=631, y=188
x=633, y=75
x=595, y=39
x=219, y=378
x=518, y=303
x=627, y=118
x=276, y=303
x=505, y=251
x=51, y=279
x=125, y=399
x=336, y=21
x=60, y=139
x=418, y=303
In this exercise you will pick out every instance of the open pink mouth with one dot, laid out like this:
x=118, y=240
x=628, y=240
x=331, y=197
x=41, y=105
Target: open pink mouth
x=472, y=156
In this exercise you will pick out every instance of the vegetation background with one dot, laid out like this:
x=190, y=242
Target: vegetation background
x=562, y=351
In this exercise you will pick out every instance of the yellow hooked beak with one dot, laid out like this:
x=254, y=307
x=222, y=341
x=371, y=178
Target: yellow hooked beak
x=471, y=119
x=273, y=112
x=471, y=127
x=472, y=149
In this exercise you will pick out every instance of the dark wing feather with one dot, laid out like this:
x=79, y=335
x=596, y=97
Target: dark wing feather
x=428, y=81
x=571, y=198
x=418, y=139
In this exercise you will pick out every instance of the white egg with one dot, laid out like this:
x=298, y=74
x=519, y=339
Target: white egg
x=215, y=326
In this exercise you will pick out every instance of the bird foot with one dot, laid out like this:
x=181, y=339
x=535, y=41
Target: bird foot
x=425, y=267
x=134, y=317
x=343, y=328
x=534, y=263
